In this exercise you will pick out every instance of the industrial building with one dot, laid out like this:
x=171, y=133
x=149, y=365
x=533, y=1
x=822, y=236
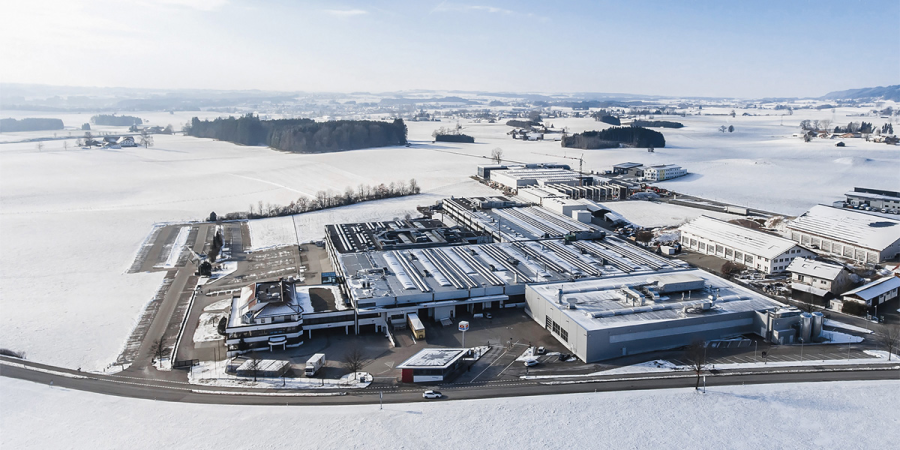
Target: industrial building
x=507, y=220
x=525, y=177
x=398, y=234
x=663, y=172
x=872, y=294
x=876, y=199
x=629, y=168
x=484, y=171
x=440, y=283
x=754, y=249
x=847, y=233
x=622, y=315
x=275, y=315
x=432, y=365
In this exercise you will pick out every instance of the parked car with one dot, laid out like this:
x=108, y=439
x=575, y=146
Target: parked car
x=541, y=350
x=488, y=316
x=432, y=394
x=531, y=363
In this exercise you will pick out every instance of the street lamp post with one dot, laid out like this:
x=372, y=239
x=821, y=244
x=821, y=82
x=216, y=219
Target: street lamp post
x=801, y=349
x=755, y=347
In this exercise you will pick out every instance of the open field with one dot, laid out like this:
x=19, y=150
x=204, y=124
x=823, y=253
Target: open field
x=811, y=415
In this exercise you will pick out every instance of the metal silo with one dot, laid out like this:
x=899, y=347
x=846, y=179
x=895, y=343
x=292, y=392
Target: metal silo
x=805, y=327
x=818, y=319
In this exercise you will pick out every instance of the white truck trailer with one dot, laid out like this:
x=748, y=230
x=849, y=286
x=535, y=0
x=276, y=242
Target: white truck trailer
x=315, y=363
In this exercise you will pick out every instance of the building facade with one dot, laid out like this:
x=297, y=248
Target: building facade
x=847, y=233
x=754, y=249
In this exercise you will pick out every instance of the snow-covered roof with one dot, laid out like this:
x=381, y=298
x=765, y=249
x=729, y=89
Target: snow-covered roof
x=602, y=304
x=850, y=226
x=665, y=166
x=875, y=288
x=738, y=237
x=433, y=358
x=810, y=289
x=815, y=268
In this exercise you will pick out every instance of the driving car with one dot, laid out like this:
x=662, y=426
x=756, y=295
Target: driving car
x=531, y=362
x=432, y=394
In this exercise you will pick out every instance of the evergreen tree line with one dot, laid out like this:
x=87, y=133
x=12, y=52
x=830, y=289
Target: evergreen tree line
x=612, y=137
x=520, y=123
x=657, y=124
x=301, y=135
x=7, y=125
x=864, y=127
x=116, y=121
x=329, y=199
x=606, y=117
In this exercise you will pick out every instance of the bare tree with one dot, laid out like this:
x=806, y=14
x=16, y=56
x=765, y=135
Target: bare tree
x=353, y=360
x=159, y=349
x=890, y=338
x=146, y=139
x=40, y=146
x=825, y=124
x=65, y=145
x=723, y=128
x=695, y=355
x=497, y=155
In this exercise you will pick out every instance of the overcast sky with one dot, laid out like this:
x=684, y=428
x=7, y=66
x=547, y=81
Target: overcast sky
x=697, y=48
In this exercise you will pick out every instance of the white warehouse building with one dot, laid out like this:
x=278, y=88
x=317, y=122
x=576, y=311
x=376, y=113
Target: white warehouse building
x=754, y=249
x=664, y=172
x=847, y=233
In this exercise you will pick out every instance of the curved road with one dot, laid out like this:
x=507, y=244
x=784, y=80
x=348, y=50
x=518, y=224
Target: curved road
x=172, y=391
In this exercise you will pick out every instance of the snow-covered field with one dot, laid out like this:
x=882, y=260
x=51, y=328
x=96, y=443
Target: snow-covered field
x=814, y=415
x=72, y=220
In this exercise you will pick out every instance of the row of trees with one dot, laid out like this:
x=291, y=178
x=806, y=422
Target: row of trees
x=329, y=199
x=301, y=135
x=612, y=137
x=9, y=125
x=657, y=124
x=114, y=120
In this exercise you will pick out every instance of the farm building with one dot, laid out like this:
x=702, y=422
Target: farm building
x=874, y=293
x=817, y=282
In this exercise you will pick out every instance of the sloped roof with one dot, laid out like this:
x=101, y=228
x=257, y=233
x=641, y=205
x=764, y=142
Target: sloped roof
x=738, y=237
x=815, y=268
x=850, y=226
x=875, y=288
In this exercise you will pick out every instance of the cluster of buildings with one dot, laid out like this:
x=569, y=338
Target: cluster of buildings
x=659, y=172
x=836, y=233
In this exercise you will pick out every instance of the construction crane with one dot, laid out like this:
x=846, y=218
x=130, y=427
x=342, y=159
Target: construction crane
x=580, y=160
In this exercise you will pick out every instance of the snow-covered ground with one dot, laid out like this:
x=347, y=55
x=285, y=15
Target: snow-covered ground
x=652, y=214
x=813, y=415
x=846, y=326
x=208, y=328
x=72, y=219
x=211, y=373
x=272, y=232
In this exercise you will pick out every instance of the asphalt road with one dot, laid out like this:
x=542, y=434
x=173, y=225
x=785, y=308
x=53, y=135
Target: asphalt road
x=171, y=391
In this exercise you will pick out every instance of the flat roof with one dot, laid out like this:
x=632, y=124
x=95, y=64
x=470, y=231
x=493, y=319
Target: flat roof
x=738, y=237
x=449, y=269
x=433, y=358
x=870, y=195
x=627, y=165
x=600, y=304
x=851, y=226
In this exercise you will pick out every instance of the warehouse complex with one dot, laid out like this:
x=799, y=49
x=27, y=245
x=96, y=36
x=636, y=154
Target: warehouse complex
x=847, y=233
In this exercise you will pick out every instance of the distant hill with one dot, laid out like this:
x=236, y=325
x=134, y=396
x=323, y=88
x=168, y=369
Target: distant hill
x=880, y=92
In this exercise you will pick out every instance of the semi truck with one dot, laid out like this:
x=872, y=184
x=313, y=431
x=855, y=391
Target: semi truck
x=315, y=363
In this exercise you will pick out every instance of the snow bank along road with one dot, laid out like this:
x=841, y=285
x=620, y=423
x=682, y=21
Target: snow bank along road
x=124, y=386
x=820, y=415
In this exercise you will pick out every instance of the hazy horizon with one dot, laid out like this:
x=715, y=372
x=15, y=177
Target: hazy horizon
x=705, y=49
